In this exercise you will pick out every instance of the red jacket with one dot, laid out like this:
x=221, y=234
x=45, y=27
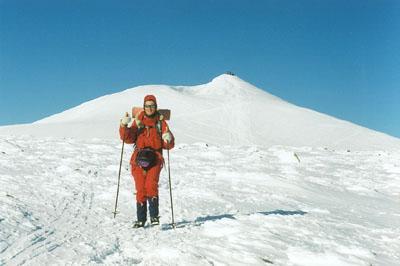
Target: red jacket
x=146, y=135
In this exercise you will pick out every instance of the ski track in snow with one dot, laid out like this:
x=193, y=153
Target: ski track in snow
x=244, y=205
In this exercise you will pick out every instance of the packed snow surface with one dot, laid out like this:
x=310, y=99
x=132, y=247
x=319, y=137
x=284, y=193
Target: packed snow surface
x=234, y=205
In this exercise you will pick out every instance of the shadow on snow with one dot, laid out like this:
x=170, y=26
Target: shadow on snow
x=201, y=220
x=283, y=212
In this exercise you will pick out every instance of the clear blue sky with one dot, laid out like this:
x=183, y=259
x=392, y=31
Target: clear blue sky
x=337, y=57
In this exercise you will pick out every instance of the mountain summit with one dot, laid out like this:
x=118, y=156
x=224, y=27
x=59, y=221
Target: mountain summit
x=229, y=86
x=225, y=111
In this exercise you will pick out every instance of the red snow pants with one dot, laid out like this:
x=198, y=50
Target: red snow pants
x=146, y=182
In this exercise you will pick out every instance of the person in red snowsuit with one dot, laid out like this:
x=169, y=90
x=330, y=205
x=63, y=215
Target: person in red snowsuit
x=150, y=132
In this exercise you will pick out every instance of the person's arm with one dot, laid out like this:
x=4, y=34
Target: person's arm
x=127, y=134
x=167, y=136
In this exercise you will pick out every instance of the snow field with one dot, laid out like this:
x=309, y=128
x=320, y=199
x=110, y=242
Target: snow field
x=234, y=205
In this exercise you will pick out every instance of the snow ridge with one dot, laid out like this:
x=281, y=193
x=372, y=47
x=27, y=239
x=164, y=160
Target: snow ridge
x=225, y=111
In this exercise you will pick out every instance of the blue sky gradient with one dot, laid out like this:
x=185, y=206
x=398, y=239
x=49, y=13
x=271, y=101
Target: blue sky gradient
x=337, y=57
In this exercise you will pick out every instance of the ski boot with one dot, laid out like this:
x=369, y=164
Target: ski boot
x=138, y=224
x=155, y=220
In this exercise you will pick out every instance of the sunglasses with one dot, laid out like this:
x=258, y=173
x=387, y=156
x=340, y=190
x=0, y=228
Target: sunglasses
x=150, y=106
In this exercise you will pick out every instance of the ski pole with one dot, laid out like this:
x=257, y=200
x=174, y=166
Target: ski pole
x=119, y=174
x=170, y=190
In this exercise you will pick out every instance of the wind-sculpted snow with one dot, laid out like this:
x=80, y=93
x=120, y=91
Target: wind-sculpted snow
x=234, y=205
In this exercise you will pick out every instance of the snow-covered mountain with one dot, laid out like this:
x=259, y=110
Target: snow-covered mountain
x=226, y=110
x=275, y=194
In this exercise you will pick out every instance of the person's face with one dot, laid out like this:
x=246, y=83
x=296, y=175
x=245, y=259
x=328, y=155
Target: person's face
x=149, y=108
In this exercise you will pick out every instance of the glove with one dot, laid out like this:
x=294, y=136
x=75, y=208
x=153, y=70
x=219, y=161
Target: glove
x=125, y=120
x=167, y=137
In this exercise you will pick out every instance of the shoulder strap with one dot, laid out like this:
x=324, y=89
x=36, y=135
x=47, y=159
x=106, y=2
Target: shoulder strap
x=159, y=124
x=139, y=116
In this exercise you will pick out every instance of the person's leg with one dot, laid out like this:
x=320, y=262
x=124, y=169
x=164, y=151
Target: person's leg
x=151, y=186
x=141, y=205
x=153, y=207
